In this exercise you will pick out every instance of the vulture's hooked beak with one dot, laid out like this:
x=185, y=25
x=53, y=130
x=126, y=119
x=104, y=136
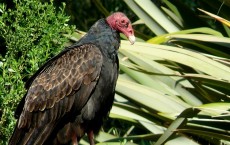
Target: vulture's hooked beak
x=132, y=39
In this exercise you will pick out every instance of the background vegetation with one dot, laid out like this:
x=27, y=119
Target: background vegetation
x=174, y=82
x=30, y=33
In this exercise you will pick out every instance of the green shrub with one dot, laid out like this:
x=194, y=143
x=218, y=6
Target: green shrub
x=30, y=33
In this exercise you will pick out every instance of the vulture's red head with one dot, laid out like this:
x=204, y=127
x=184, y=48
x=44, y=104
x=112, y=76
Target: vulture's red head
x=119, y=21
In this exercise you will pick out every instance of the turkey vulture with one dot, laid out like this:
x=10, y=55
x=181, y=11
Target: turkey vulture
x=73, y=92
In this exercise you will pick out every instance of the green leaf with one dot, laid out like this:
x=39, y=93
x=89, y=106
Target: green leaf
x=222, y=41
x=181, y=141
x=180, y=121
x=166, y=37
x=182, y=56
x=172, y=8
x=149, y=13
x=161, y=76
x=206, y=133
x=148, y=97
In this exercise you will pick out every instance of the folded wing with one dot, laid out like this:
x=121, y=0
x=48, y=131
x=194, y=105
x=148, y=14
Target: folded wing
x=62, y=86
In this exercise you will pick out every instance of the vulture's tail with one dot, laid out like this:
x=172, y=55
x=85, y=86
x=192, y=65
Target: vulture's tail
x=32, y=136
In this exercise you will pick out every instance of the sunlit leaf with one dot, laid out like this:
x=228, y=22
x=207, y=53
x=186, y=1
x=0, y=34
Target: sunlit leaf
x=149, y=13
x=222, y=20
x=182, y=56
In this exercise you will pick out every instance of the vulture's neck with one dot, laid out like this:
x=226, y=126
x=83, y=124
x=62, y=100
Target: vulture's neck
x=104, y=37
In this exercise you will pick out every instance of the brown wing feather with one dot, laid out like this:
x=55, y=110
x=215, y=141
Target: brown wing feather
x=66, y=82
x=63, y=78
